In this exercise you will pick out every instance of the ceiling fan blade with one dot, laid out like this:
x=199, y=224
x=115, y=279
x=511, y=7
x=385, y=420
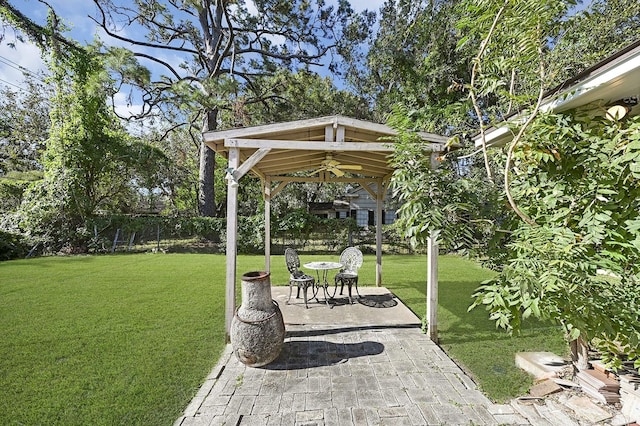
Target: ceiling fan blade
x=336, y=171
x=318, y=170
x=349, y=166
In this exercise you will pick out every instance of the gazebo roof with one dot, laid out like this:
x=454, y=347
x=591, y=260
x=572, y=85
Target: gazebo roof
x=303, y=146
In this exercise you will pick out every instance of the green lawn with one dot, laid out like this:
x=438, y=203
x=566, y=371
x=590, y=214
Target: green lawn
x=471, y=338
x=128, y=339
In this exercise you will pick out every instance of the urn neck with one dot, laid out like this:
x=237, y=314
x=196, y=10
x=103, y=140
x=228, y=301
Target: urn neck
x=256, y=291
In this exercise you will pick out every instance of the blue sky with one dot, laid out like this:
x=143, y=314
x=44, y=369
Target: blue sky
x=75, y=15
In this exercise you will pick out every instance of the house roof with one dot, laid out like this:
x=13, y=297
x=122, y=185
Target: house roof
x=303, y=146
x=615, y=78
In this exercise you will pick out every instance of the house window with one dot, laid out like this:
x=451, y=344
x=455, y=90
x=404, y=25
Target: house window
x=372, y=218
x=389, y=217
x=361, y=217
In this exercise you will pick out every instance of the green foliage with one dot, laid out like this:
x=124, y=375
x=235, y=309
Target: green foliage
x=511, y=39
x=12, y=188
x=577, y=176
x=411, y=59
x=225, y=70
x=251, y=234
x=603, y=27
x=250, y=230
x=449, y=196
x=90, y=164
x=12, y=246
x=24, y=126
x=295, y=96
x=297, y=224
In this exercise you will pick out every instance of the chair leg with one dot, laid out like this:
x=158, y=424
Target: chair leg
x=356, y=283
x=289, y=293
x=349, y=283
x=298, y=293
x=304, y=292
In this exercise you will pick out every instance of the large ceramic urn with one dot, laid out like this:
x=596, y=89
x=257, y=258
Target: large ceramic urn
x=257, y=329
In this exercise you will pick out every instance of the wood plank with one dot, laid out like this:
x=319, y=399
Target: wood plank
x=316, y=146
x=266, y=190
x=252, y=161
x=545, y=387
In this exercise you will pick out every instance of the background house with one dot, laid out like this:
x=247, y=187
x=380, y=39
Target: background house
x=358, y=203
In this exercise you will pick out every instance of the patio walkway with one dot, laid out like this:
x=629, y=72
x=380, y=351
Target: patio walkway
x=361, y=364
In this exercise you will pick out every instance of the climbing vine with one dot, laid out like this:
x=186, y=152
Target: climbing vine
x=577, y=175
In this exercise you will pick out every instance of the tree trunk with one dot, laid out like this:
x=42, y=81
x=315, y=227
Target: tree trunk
x=206, y=189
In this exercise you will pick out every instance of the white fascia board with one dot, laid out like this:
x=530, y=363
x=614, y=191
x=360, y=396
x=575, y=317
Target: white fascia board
x=580, y=94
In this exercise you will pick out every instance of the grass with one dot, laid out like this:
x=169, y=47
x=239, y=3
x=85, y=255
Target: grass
x=471, y=338
x=128, y=339
x=107, y=339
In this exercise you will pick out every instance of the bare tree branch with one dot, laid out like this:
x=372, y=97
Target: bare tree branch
x=105, y=27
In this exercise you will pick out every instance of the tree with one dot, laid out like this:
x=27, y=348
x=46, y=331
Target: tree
x=604, y=27
x=90, y=161
x=411, y=60
x=569, y=252
x=578, y=177
x=24, y=126
x=571, y=179
x=224, y=51
x=296, y=95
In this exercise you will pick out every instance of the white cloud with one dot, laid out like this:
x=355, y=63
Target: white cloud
x=124, y=106
x=360, y=5
x=13, y=62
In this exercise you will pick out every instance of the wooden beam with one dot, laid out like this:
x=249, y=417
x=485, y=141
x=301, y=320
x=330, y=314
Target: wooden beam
x=268, y=129
x=317, y=146
x=371, y=191
x=359, y=181
x=278, y=188
x=251, y=161
x=328, y=133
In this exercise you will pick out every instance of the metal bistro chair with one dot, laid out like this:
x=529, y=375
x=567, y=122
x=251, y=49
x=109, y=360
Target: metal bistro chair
x=296, y=276
x=351, y=259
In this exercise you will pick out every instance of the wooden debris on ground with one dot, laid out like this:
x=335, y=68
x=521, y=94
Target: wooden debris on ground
x=543, y=388
x=599, y=385
x=586, y=409
x=630, y=394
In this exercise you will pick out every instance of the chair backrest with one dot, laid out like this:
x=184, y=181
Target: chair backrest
x=292, y=259
x=351, y=259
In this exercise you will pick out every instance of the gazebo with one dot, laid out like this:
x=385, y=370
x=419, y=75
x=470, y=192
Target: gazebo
x=325, y=149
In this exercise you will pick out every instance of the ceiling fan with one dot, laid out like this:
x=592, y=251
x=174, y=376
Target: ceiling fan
x=335, y=167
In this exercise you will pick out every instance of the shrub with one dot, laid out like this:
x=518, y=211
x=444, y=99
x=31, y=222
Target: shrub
x=12, y=246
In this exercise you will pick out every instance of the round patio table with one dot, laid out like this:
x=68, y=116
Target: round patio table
x=324, y=268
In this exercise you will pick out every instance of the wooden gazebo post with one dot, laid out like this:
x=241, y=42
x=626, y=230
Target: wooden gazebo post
x=232, y=237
